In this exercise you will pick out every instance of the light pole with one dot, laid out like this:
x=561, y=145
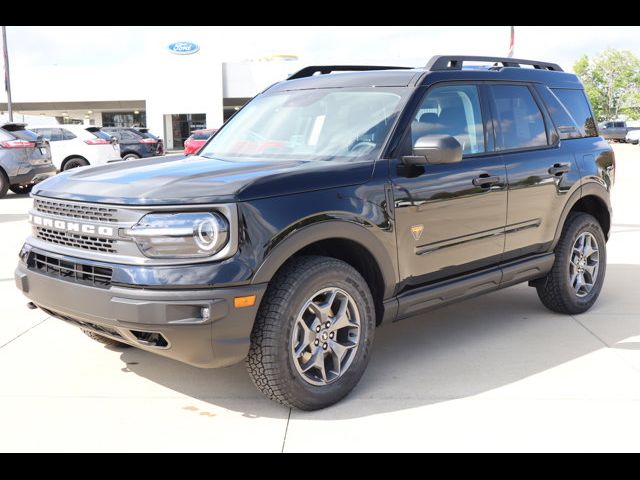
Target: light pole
x=7, y=80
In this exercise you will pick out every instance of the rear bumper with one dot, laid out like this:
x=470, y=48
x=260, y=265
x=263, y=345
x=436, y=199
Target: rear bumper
x=133, y=315
x=35, y=174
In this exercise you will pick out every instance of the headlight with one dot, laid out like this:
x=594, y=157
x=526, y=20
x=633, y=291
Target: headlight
x=180, y=235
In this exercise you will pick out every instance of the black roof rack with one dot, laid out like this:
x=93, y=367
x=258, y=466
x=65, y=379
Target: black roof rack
x=454, y=62
x=324, y=69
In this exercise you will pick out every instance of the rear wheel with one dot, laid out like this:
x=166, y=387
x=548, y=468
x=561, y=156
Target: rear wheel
x=130, y=156
x=21, y=189
x=313, y=333
x=575, y=281
x=75, y=163
x=4, y=184
x=104, y=340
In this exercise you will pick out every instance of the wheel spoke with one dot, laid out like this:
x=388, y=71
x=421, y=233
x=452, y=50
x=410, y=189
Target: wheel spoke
x=588, y=249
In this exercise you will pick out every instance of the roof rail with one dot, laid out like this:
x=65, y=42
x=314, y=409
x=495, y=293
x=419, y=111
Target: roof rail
x=324, y=69
x=454, y=62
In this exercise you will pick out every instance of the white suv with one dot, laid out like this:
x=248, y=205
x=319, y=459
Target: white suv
x=78, y=145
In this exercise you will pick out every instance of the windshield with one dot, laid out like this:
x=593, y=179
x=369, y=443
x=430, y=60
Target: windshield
x=320, y=124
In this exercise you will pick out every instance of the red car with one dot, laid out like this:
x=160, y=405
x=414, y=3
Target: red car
x=197, y=139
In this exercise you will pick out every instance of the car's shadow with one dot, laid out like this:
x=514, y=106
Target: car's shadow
x=454, y=352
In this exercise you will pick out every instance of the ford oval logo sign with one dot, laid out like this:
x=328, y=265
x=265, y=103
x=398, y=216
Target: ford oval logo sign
x=184, y=48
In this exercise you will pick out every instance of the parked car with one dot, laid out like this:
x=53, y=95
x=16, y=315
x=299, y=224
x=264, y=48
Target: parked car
x=145, y=131
x=633, y=137
x=332, y=203
x=135, y=143
x=75, y=146
x=25, y=159
x=197, y=139
x=616, y=131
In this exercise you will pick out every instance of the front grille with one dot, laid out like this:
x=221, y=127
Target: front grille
x=71, y=271
x=76, y=240
x=73, y=210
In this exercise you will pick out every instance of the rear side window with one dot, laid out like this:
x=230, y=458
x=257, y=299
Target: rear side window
x=67, y=135
x=520, y=122
x=618, y=124
x=577, y=105
x=51, y=134
x=129, y=136
x=103, y=135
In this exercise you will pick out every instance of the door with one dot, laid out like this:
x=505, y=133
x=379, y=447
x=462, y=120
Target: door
x=450, y=218
x=55, y=137
x=540, y=174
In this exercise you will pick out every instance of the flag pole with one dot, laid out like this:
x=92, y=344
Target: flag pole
x=7, y=81
x=512, y=42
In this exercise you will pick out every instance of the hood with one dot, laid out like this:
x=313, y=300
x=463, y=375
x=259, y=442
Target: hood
x=194, y=179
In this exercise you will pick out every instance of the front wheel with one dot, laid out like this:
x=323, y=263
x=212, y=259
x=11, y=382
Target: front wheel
x=313, y=334
x=575, y=281
x=21, y=189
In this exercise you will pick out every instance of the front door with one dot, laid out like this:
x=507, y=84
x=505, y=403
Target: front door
x=450, y=218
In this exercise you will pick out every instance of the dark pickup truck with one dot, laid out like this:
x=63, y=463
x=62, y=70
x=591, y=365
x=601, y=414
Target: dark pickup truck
x=339, y=199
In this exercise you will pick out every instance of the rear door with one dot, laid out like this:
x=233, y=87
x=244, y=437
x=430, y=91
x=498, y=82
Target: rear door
x=540, y=174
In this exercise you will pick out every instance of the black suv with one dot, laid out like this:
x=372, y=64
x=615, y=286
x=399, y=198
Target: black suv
x=136, y=142
x=331, y=203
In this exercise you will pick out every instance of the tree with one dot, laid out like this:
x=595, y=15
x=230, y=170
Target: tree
x=612, y=82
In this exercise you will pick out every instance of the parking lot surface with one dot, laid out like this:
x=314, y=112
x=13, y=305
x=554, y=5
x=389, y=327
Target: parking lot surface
x=498, y=372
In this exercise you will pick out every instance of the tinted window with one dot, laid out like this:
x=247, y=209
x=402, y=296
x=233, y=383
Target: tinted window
x=565, y=124
x=201, y=135
x=67, y=135
x=51, y=134
x=104, y=135
x=129, y=136
x=520, y=121
x=618, y=124
x=577, y=105
x=452, y=110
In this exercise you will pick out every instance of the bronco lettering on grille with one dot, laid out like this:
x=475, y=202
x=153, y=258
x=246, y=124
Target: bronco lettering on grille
x=73, y=227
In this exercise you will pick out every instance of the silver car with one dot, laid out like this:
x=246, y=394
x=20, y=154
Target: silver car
x=25, y=159
x=633, y=136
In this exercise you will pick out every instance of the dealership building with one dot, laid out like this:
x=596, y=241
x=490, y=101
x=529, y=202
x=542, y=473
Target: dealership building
x=179, y=87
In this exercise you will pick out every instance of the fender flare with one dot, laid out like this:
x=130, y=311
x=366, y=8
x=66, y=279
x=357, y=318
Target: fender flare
x=326, y=230
x=588, y=189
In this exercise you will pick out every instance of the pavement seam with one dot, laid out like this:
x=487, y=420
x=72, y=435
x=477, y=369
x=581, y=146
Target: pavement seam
x=21, y=334
x=613, y=349
x=284, y=440
x=590, y=331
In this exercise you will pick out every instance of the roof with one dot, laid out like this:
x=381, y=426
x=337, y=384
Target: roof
x=439, y=68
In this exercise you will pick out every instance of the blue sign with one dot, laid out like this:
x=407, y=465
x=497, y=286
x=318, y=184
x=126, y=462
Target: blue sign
x=184, y=48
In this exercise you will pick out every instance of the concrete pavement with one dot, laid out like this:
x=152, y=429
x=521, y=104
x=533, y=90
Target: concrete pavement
x=497, y=372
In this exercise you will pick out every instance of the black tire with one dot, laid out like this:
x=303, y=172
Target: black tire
x=74, y=162
x=130, y=156
x=271, y=362
x=4, y=184
x=555, y=290
x=104, y=340
x=21, y=189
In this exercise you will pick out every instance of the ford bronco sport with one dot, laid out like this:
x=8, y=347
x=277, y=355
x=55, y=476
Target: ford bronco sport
x=339, y=199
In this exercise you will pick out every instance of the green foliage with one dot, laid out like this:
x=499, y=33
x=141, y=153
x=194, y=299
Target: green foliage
x=612, y=81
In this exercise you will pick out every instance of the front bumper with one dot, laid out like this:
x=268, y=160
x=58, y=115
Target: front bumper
x=35, y=174
x=143, y=317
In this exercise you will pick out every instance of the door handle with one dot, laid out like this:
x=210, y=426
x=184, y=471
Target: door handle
x=485, y=180
x=559, y=169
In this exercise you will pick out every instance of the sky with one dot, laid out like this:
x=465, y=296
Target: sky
x=405, y=45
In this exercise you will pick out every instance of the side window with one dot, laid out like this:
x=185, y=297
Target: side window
x=45, y=132
x=56, y=135
x=114, y=133
x=67, y=135
x=129, y=137
x=520, y=122
x=451, y=110
x=564, y=122
x=577, y=105
x=618, y=124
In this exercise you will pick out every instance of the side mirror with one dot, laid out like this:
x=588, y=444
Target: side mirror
x=435, y=150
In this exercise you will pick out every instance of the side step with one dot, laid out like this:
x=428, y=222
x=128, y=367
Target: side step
x=443, y=293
